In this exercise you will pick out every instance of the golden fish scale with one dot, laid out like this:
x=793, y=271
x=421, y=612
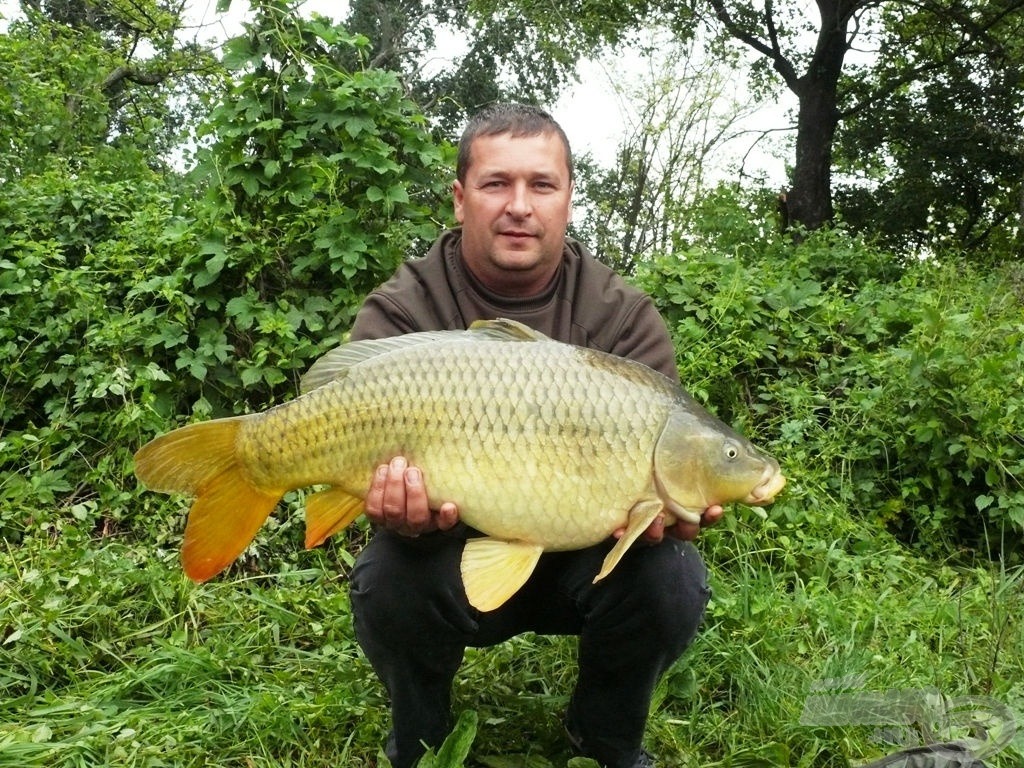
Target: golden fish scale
x=538, y=442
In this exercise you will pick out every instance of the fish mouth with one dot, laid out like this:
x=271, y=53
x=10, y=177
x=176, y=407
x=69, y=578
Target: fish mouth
x=772, y=481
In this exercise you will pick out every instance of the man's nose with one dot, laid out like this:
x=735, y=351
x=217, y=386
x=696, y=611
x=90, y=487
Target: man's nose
x=519, y=204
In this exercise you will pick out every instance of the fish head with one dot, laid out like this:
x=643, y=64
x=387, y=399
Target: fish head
x=699, y=461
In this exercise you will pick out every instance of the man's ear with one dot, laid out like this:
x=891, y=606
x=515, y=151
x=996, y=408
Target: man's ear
x=457, y=198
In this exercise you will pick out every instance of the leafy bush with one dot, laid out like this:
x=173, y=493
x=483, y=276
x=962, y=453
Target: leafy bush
x=81, y=386
x=947, y=423
x=131, y=299
x=906, y=388
x=318, y=183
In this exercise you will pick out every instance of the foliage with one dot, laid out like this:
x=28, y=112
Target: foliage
x=903, y=378
x=319, y=183
x=82, y=76
x=38, y=118
x=81, y=384
x=490, y=54
x=130, y=298
x=938, y=163
x=454, y=57
x=847, y=61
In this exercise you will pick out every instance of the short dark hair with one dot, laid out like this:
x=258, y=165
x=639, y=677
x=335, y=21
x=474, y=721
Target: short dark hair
x=511, y=118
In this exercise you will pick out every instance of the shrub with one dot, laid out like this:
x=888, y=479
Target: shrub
x=130, y=300
x=905, y=389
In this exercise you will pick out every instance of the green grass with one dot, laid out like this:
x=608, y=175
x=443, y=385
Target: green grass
x=109, y=656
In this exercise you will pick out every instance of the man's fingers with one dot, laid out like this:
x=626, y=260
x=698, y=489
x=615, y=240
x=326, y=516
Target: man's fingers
x=684, y=530
x=712, y=516
x=447, y=516
x=374, y=501
x=655, y=531
x=393, y=505
x=417, y=510
x=690, y=531
x=397, y=499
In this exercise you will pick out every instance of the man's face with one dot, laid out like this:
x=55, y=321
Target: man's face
x=514, y=207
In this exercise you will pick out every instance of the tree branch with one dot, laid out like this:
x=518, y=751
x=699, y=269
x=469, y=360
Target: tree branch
x=113, y=84
x=770, y=50
x=971, y=33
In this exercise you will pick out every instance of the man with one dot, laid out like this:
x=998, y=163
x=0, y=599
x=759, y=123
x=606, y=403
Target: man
x=510, y=258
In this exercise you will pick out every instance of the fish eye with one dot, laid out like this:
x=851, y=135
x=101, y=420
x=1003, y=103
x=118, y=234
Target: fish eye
x=731, y=452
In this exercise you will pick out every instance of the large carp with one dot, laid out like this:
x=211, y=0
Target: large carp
x=542, y=445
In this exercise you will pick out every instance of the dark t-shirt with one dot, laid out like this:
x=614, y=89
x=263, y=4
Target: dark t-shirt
x=587, y=304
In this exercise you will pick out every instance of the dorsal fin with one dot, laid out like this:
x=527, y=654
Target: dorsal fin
x=508, y=330
x=333, y=364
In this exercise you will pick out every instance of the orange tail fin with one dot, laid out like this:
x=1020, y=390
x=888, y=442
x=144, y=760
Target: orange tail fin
x=200, y=460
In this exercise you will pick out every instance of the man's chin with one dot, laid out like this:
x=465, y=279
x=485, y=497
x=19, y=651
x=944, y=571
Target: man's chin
x=516, y=260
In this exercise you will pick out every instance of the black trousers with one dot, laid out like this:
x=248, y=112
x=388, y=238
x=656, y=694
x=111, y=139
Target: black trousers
x=414, y=623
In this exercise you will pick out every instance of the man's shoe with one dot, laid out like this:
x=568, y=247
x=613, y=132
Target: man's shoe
x=645, y=760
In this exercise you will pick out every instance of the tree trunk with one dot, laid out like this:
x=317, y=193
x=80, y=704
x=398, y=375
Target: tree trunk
x=809, y=200
x=810, y=196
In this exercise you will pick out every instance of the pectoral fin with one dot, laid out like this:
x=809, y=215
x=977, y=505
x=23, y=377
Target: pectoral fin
x=328, y=512
x=640, y=516
x=493, y=570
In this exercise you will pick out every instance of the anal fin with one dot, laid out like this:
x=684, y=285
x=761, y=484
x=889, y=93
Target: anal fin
x=328, y=512
x=640, y=516
x=493, y=570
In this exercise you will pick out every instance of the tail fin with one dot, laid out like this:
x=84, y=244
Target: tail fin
x=201, y=460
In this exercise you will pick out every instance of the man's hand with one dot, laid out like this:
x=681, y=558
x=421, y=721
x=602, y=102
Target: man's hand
x=656, y=531
x=397, y=500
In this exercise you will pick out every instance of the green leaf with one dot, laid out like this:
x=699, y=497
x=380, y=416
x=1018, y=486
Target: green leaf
x=358, y=124
x=251, y=376
x=243, y=310
x=455, y=749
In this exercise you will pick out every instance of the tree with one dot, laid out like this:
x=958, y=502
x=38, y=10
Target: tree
x=487, y=55
x=456, y=56
x=940, y=163
x=87, y=75
x=679, y=113
x=830, y=89
x=827, y=63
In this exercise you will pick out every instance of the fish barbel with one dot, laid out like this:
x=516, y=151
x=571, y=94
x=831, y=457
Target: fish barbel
x=542, y=445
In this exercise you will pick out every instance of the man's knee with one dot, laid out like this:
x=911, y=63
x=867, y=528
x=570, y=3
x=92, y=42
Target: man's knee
x=684, y=593
x=662, y=591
